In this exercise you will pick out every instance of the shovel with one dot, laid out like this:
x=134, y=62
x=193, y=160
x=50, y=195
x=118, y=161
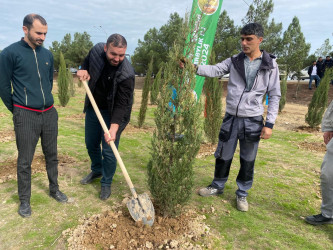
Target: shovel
x=140, y=206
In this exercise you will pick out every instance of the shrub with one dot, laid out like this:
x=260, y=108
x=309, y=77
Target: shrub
x=213, y=106
x=319, y=99
x=283, y=87
x=155, y=88
x=145, y=94
x=63, y=82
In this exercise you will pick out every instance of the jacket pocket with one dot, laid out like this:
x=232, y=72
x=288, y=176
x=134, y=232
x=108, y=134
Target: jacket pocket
x=226, y=127
x=253, y=127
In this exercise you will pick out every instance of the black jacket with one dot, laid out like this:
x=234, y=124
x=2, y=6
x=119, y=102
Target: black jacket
x=30, y=73
x=94, y=64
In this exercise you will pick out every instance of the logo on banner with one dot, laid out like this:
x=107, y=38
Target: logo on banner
x=208, y=7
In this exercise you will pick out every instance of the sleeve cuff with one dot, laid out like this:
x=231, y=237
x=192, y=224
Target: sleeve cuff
x=269, y=125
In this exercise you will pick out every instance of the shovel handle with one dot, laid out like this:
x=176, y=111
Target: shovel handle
x=111, y=143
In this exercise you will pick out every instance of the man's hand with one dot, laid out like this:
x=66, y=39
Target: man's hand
x=113, y=133
x=83, y=75
x=266, y=133
x=327, y=136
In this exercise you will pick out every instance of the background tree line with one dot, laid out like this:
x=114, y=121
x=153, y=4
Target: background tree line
x=289, y=46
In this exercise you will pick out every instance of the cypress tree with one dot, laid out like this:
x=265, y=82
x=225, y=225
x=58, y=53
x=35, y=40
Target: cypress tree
x=319, y=99
x=155, y=88
x=213, y=106
x=145, y=94
x=71, y=83
x=283, y=87
x=176, y=140
x=63, y=82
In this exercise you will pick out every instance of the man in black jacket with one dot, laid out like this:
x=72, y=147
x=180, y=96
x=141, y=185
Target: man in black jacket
x=27, y=67
x=111, y=80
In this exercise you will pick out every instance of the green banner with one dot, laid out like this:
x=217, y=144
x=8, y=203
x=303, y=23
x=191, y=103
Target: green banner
x=203, y=22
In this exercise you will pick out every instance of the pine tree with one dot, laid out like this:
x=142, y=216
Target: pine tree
x=145, y=94
x=213, y=106
x=155, y=88
x=319, y=99
x=63, y=82
x=176, y=140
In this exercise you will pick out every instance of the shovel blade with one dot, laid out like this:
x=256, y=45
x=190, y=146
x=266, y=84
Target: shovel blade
x=142, y=209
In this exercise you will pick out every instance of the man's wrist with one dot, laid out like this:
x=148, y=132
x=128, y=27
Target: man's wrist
x=269, y=125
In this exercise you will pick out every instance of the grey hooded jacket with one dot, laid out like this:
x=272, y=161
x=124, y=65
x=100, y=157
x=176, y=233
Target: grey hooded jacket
x=327, y=122
x=243, y=103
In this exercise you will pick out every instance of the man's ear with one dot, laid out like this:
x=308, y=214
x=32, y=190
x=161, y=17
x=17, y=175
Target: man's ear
x=25, y=30
x=105, y=48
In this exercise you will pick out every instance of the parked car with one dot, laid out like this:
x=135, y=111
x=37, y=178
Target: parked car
x=73, y=70
x=303, y=74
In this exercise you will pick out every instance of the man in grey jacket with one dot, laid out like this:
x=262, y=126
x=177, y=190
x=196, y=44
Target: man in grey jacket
x=253, y=73
x=326, y=177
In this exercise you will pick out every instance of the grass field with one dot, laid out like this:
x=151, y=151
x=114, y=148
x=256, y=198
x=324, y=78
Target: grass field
x=286, y=187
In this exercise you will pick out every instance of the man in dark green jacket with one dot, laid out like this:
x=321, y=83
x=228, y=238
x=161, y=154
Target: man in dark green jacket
x=27, y=68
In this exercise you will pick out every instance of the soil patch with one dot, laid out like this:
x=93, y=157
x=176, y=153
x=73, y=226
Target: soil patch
x=7, y=136
x=117, y=230
x=8, y=168
x=206, y=149
x=313, y=146
x=131, y=129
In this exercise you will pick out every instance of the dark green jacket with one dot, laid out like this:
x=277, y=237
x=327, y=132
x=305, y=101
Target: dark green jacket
x=29, y=73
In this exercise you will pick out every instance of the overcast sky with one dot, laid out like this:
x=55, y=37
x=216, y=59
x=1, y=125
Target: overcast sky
x=133, y=18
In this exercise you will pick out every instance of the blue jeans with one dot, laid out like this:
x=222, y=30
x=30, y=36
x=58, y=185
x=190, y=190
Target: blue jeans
x=102, y=159
x=316, y=77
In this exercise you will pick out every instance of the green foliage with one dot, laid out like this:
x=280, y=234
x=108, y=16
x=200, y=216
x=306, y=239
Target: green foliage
x=71, y=83
x=156, y=43
x=155, y=88
x=308, y=61
x=63, y=82
x=325, y=49
x=145, y=94
x=283, y=87
x=318, y=102
x=176, y=140
x=296, y=49
x=213, y=106
x=259, y=11
x=226, y=42
x=74, y=51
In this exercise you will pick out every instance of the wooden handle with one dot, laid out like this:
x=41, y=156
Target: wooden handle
x=111, y=143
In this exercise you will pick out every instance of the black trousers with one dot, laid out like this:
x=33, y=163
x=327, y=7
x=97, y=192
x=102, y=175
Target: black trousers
x=29, y=127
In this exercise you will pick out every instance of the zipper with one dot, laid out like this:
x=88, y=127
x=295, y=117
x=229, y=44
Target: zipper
x=240, y=101
x=26, y=96
x=40, y=79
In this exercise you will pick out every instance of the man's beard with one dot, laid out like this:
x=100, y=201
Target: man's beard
x=36, y=42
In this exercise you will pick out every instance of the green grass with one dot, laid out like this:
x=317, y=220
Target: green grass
x=284, y=190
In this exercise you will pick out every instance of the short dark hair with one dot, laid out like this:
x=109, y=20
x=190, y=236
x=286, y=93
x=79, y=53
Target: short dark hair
x=117, y=40
x=30, y=18
x=253, y=29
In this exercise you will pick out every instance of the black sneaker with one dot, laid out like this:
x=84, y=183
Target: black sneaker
x=89, y=178
x=209, y=191
x=105, y=192
x=59, y=196
x=24, y=209
x=318, y=219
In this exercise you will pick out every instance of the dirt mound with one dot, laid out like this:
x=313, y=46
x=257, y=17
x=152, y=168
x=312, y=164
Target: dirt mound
x=8, y=168
x=117, y=230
